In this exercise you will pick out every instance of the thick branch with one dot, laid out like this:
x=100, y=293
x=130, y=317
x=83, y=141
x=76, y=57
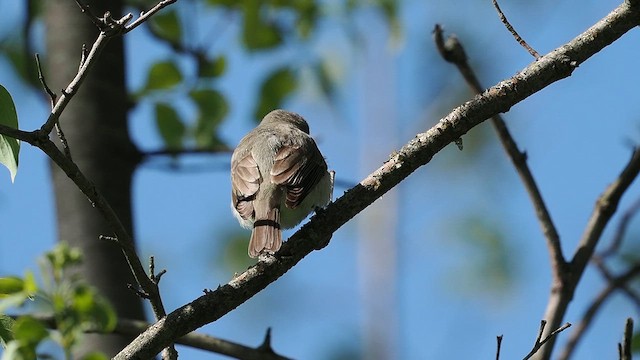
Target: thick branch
x=550, y=68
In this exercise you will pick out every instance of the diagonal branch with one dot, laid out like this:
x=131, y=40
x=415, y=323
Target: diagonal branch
x=606, y=206
x=550, y=68
x=452, y=51
x=513, y=31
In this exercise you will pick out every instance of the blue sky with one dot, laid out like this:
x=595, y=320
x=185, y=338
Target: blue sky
x=577, y=134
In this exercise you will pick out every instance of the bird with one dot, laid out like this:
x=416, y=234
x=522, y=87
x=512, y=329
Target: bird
x=278, y=177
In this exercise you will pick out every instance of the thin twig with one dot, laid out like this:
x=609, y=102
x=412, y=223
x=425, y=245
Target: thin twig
x=621, y=230
x=452, y=51
x=86, y=9
x=146, y=15
x=605, y=207
x=513, y=31
x=625, y=347
x=593, y=309
x=499, y=345
x=539, y=341
x=43, y=82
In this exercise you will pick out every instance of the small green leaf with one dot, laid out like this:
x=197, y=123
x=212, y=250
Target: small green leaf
x=171, y=128
x=274, y=90
x=10, y=285
x=6, y=329
x=29, y=330
x=30, y=284
x=211, y=68
x=9, y=147
x=635, y=342
x=166, y=24
x=258, y=34
x=163, y=75
x=212, y=108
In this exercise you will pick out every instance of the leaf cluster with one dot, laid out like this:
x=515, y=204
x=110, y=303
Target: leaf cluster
x=67, y=304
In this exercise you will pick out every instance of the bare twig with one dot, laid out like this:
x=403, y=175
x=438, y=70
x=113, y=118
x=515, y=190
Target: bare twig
x=540, y=341
x=43, y=82
x=552, y=67
x=624, y=348
x=606, y=205
x=621, y=230
x=513, y=31
x=499, y=345
x=452, y=51
x=86, y=9
x=146, y=15
x=593, y=309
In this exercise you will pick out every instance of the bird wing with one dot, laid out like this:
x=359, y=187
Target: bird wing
x=299, y=168
x=245, y=182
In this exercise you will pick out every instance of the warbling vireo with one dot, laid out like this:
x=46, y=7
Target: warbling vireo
x=278, y=176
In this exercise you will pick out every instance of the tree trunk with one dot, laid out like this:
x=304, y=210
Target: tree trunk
x=95, y=125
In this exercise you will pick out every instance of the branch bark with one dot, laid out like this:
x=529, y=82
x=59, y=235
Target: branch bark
x=550, y=68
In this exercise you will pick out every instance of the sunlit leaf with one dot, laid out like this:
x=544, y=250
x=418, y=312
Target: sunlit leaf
x=163, y=75
x=212, y=108
x=62, y=256
x=171, y=128
x=10, y=285
x=274, y=90
x=9, y=147
x=167, y=25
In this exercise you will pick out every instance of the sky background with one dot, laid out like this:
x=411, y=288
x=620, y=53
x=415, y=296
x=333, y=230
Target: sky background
x=453, y=294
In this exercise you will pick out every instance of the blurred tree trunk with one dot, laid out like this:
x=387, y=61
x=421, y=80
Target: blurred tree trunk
x=95, y=125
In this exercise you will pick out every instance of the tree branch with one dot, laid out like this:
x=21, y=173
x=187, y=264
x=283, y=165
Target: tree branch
x=453, y=52
x=513, y=31
x=605, y=207
x=550, y=68
x=195, y=340
x=539, y=341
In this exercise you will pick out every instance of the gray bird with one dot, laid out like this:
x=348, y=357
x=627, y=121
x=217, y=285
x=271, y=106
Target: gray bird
x=278, y=177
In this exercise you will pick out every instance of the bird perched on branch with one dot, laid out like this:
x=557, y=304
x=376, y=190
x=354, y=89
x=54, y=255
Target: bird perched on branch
x=278, y=177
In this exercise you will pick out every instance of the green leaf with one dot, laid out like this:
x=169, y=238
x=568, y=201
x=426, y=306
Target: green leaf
x=635, y=342
x=166, y=24
x=94, y=311
x=308, y=12
x=29, y=330
x=163, y=75
x=258, y=34
x=6, y=329
x=211, y=68
x=212, y=108
x=274, y=90
x=171, y=128
x=9, y=147
x=10, y=285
